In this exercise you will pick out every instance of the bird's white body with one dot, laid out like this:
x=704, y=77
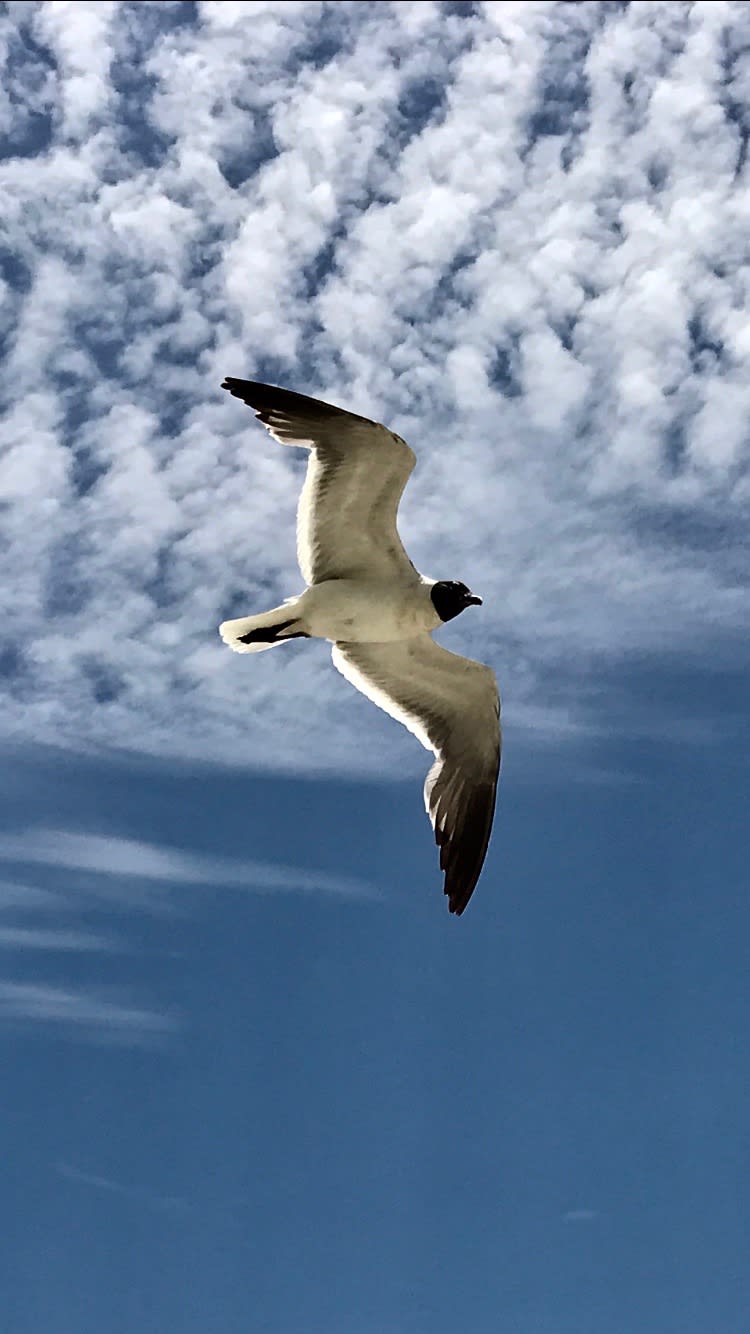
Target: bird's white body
x=366, y=597
x=360, y=610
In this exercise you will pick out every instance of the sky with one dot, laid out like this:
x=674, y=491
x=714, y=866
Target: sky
x=255, y=1077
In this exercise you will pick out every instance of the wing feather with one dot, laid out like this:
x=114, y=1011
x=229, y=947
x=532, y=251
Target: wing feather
x=451, y=704
x=346, y=517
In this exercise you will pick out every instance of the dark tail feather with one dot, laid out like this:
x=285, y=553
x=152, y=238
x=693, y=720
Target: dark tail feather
x=254, y=634
x=268, y=635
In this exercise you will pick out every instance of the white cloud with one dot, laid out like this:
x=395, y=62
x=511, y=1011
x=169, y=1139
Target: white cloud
x=78, y=34
x=141, y=1194
x=94, y=872
x=580, y=1216
x=15, y=895
x=90, y=1013
x=53, y=939
x=518, y=235
x=132, y=859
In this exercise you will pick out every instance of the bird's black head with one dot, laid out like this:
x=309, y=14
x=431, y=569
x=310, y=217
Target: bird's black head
x=450, y=598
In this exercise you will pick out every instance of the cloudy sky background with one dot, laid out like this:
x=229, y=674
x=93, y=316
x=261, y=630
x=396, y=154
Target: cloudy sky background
x=519, y=234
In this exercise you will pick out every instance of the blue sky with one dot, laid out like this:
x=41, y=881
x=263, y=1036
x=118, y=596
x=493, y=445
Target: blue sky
x=255, y=1077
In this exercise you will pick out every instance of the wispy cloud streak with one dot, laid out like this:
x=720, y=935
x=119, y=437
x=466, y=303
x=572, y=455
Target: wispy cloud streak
x=580, y=1216
x=53, y=939
x=139, y=1194
x=130, y=859
x=132, y=877
x=79, y=1012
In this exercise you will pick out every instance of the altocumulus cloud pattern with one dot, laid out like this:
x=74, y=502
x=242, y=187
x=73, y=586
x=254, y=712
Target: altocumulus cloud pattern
x=515, y=232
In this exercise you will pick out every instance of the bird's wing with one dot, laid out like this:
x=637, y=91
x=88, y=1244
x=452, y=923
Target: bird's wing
x=346, y=518
x=451, y=704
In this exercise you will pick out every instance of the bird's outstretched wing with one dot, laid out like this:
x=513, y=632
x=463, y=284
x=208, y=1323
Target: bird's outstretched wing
x=346, y=518
x=452, y=705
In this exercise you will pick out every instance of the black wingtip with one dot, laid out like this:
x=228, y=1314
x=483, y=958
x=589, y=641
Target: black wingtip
x=264, y=398
x=460, y=880
x=235, y=386
x=240, y=388
x=456, y=904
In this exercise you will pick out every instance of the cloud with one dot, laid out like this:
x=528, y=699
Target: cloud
x=580, y=1216
x=516, y=233
x=133, y=859
x=123, y=875
x=40, y=938
x=140, y=1194
x=93, y=1014
x=15, y=895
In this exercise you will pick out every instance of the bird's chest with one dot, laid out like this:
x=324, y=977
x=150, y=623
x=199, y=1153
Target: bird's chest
x=356, y=611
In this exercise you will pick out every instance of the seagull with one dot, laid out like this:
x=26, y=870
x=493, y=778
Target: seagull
x=366, y=597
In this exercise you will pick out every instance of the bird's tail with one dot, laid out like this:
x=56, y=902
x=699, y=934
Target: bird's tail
x=254, y=634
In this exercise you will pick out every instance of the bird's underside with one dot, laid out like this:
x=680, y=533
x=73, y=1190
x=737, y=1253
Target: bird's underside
x=366, y=596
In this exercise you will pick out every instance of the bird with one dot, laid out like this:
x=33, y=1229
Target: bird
x=364, y=595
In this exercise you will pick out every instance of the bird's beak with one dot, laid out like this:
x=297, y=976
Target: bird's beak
x=474, y=601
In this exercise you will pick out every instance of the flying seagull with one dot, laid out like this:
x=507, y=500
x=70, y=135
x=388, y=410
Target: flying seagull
x=366, y=597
